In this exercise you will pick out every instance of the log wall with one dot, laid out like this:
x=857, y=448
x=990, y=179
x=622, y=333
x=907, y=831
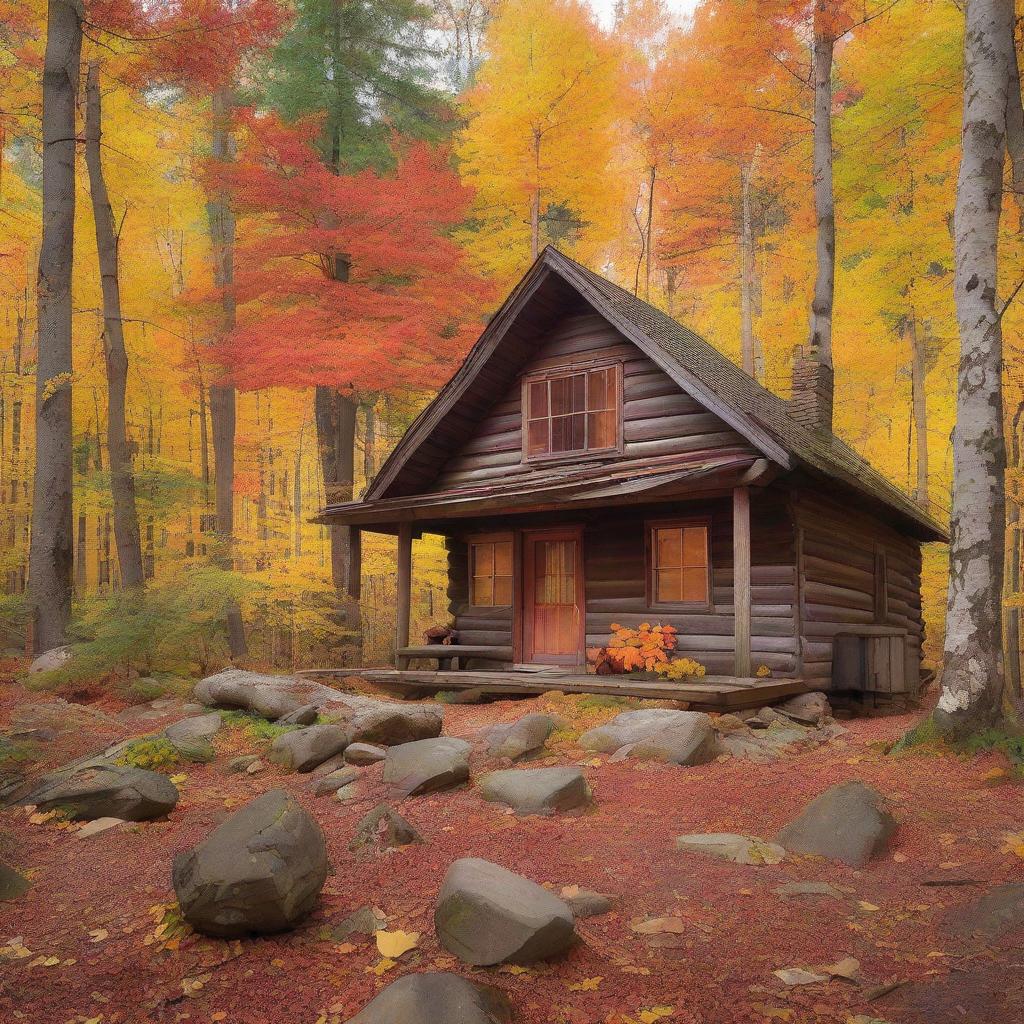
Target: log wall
x=658, y=417
x=837, y=551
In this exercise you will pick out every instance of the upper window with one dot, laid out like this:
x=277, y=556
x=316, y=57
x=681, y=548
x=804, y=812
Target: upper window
x=572, y=411
x=490, y=572
x=679, y=563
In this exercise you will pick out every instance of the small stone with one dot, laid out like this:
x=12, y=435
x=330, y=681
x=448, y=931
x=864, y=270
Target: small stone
x=729, y=723
x=306, y=715
x=427, y=765
x=487, y=915
x=254, y=767
x=729, y=846
x=239, y=764
x=385, y=828
x=333, y=781
x=303, y=749
x=587, y=903
x=999, y=911
x=348, y=793
x=364, y=921
x=808, y=889
x=436, y=998
x=364, y=753
x=537, y=790
x=12, y=883
x=522, y=739
x=56, y=657
x=260, y=871
x=812, y=708
x=198, y=728
x=847, y=823
x=98, y=825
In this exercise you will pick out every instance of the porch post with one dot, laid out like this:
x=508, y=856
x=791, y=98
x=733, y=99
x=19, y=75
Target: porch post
x=404, y=584
x=741, y=578
x=355, y=563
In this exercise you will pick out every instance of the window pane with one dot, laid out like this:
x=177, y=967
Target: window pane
x=668, y=548
x=561, y=396
x=602, y=430
x=537, y=437
x=502, y=590
x=579, y=392
x=600, y=389
x=578, y=436
x=483, y=591
x=695, y=545
x=483, y=559
x=567, y=433
x=667, y=586
x=695, y=585
x=538, y=401
x=503, y=558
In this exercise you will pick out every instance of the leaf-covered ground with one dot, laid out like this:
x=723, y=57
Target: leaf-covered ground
x=97, y=939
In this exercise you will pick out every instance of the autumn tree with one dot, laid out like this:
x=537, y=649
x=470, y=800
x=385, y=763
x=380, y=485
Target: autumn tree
x=972, y=671
x=537, y=153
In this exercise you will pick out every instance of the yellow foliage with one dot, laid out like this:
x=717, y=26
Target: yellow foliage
x=680, y=668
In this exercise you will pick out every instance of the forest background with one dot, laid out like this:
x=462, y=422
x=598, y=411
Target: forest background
x=318, y=203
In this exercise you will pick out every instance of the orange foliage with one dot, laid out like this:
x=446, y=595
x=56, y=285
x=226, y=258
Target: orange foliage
x=634, y=650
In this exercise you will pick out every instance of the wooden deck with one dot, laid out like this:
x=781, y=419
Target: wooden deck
x=712, y=693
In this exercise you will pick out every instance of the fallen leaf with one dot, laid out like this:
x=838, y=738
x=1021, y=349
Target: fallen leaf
x=869, y=907
x=1013, y=842
x=570, y=891
x=900, y=858
x=391, y=945
x=587, y=985
x=514, y=969
x=382, y=967
x=178, y=779
x=655, y=1013
x=344, y=947
x=98, y=934
x=848, y=967
x=798, y=976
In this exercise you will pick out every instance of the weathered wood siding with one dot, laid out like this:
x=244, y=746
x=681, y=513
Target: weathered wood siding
x=658, y=417
x=837, y=552
x=614, y=571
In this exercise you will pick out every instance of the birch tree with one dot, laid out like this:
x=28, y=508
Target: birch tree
x=972, y=675
x=51, y=552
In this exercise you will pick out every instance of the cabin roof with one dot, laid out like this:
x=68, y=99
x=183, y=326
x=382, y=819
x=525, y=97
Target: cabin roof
x=752, y=410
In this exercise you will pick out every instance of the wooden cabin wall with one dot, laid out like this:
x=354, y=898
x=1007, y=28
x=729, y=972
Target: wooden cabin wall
x=487, y=627
x=837, y=552
x=658, y=417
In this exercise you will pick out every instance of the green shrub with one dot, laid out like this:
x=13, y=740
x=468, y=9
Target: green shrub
x=255, y=726
x=175, y=627
x=157, y=754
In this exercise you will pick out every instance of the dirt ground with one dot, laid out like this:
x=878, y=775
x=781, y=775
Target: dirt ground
x=96, y=938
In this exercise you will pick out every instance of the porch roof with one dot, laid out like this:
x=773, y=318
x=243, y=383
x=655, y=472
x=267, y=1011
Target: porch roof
x=560, y=487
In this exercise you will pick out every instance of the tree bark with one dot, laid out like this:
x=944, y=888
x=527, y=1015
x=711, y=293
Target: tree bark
x=335, y=416
x=652, y=179
x=747, y=343
x=369, y=439
x=115, y=355
x=535, y=200
x=221, y=220
x=972, y=675
x=51, y=552
x=824, y=197
x=919, y=403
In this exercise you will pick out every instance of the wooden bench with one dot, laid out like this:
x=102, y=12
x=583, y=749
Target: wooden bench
x=450, y=654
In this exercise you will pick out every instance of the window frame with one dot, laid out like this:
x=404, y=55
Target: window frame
x=650, y=567
x=491, y=538
x=570, y=370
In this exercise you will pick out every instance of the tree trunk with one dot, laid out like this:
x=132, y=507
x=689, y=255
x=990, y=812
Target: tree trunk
x=650, y=232
x=972, y=675
x=297, y=496
x=535, y=200
x=222, y=396
x=919, y=403
x=747, y=298
x=824, y=198
x=335, y=416
x=115, y=355
x=51, y=553
x=369, y=439
x=204, y=444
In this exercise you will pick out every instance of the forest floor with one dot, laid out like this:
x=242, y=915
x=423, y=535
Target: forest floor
x=96, y=938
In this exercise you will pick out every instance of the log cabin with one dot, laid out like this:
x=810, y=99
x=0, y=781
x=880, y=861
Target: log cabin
x=593, y=462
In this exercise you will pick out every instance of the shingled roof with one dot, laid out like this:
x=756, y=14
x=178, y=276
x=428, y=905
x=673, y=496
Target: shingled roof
x=751, y=409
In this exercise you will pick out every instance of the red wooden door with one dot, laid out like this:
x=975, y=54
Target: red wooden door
x=553, y=597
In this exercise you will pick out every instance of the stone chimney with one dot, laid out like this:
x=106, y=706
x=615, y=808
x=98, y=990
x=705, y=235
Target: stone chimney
x=813, y=387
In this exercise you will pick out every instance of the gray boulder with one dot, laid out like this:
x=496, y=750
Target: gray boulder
x=384, y=828
x=106, y=791
x=632, y=727
x=333, y=781
x=847, y=823
x=273, y=697
x=260, y=871
x=392, y=723
x=306, y=715
x=12, y=883
x=54, y=658
x=200, y=727
x=364, y=753
x=811, y=708
x=999, y=911
x=729, y=846
x=520, y=739
x=427, y=765
x=488, y=915
x=587, y=903
x=688, y=743
x=436, y=998
x=537, y=790
x=303, y=749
